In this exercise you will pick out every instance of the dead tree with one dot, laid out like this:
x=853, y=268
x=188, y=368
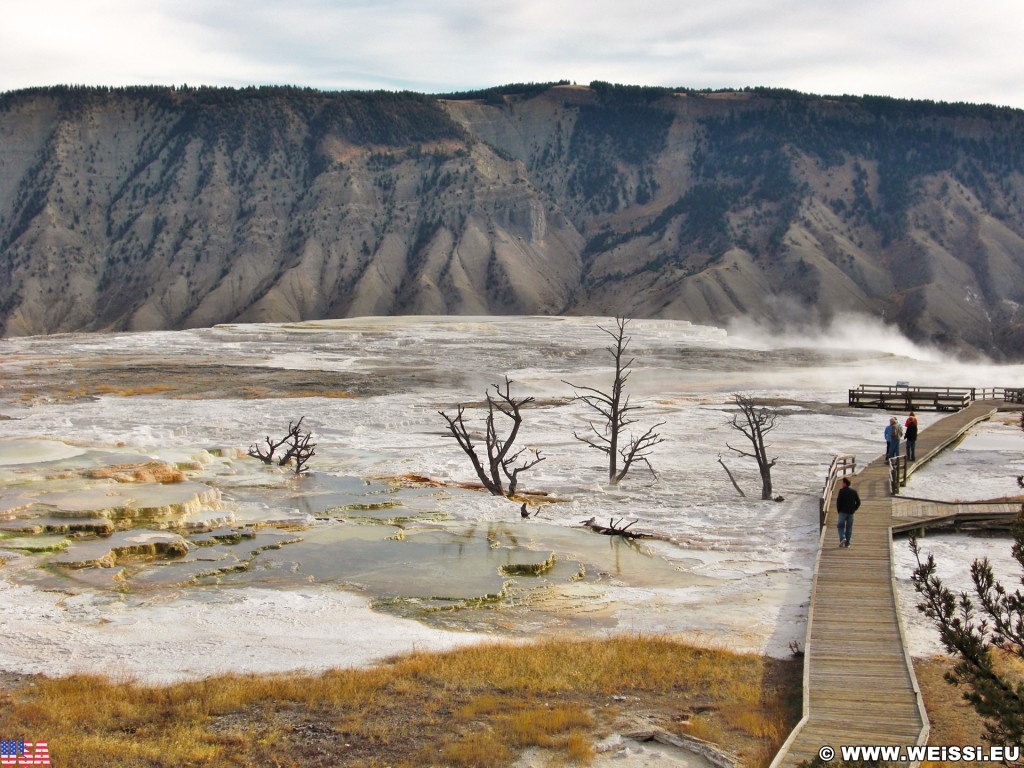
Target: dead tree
x=608, y=435
x=299, y=451
x=499, y=463
x=755, y=421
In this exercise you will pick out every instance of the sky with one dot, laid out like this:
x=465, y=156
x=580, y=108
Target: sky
x=944, y=50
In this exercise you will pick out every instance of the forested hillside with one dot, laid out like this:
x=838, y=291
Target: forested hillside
x=147, y=208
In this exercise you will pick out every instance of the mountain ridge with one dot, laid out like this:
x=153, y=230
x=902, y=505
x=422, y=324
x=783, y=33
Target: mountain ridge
x=161, y=208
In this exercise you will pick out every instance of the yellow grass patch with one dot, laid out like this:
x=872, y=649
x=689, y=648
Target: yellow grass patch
x=476, y=706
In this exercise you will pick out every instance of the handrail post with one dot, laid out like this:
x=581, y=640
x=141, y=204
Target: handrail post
x=845, y=465
x=897, y=466
x=826, y=492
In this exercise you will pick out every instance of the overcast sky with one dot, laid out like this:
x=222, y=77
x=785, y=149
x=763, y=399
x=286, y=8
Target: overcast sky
x=947, y=50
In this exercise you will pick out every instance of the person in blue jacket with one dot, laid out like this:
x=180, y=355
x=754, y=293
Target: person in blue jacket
x=893, y=433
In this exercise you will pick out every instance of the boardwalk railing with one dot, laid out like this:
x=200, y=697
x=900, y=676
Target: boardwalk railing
x=904, y=397
x=841, y=465
x=897, y=474
x=989, y=393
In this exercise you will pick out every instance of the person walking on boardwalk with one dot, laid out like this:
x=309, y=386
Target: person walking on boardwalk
x=893, y=433
x=847, y=502
x=911, y=435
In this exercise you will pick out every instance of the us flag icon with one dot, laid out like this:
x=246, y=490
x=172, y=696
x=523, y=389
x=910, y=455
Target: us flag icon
x=24, y=753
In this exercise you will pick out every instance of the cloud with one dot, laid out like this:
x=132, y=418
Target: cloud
x=941, y=50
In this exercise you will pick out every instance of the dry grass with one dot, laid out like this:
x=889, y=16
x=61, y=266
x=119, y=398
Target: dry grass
x=953, y=720
x=477, y=706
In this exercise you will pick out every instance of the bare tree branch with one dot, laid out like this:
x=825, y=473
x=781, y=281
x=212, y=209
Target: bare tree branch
x=755, y=421
x=513, y=477
x=500, y=458
x=637, y=450
x=731, y=478
x=614, y=408
x=292, y=439
x=458, y=429
x=272, y=445
x=300, y=448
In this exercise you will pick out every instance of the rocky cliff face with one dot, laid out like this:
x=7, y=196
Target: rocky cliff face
x=156, y=208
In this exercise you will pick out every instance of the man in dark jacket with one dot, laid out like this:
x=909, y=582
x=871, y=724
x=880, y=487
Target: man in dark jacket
x=847, y=502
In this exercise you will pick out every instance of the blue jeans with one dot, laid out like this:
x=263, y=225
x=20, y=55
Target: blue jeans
x=911, y=450
x=845, y=526
x=892, y=449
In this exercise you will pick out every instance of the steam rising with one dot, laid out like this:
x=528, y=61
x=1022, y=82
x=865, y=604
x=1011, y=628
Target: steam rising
x=845, y=331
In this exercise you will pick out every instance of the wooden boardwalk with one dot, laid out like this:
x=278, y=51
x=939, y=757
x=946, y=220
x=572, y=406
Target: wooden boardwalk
x=915, y=515
x=859, y=683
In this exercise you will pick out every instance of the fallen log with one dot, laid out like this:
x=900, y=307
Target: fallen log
x=618, y=529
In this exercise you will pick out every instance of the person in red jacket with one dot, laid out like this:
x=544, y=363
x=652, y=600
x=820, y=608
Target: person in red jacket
x=911, y=436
